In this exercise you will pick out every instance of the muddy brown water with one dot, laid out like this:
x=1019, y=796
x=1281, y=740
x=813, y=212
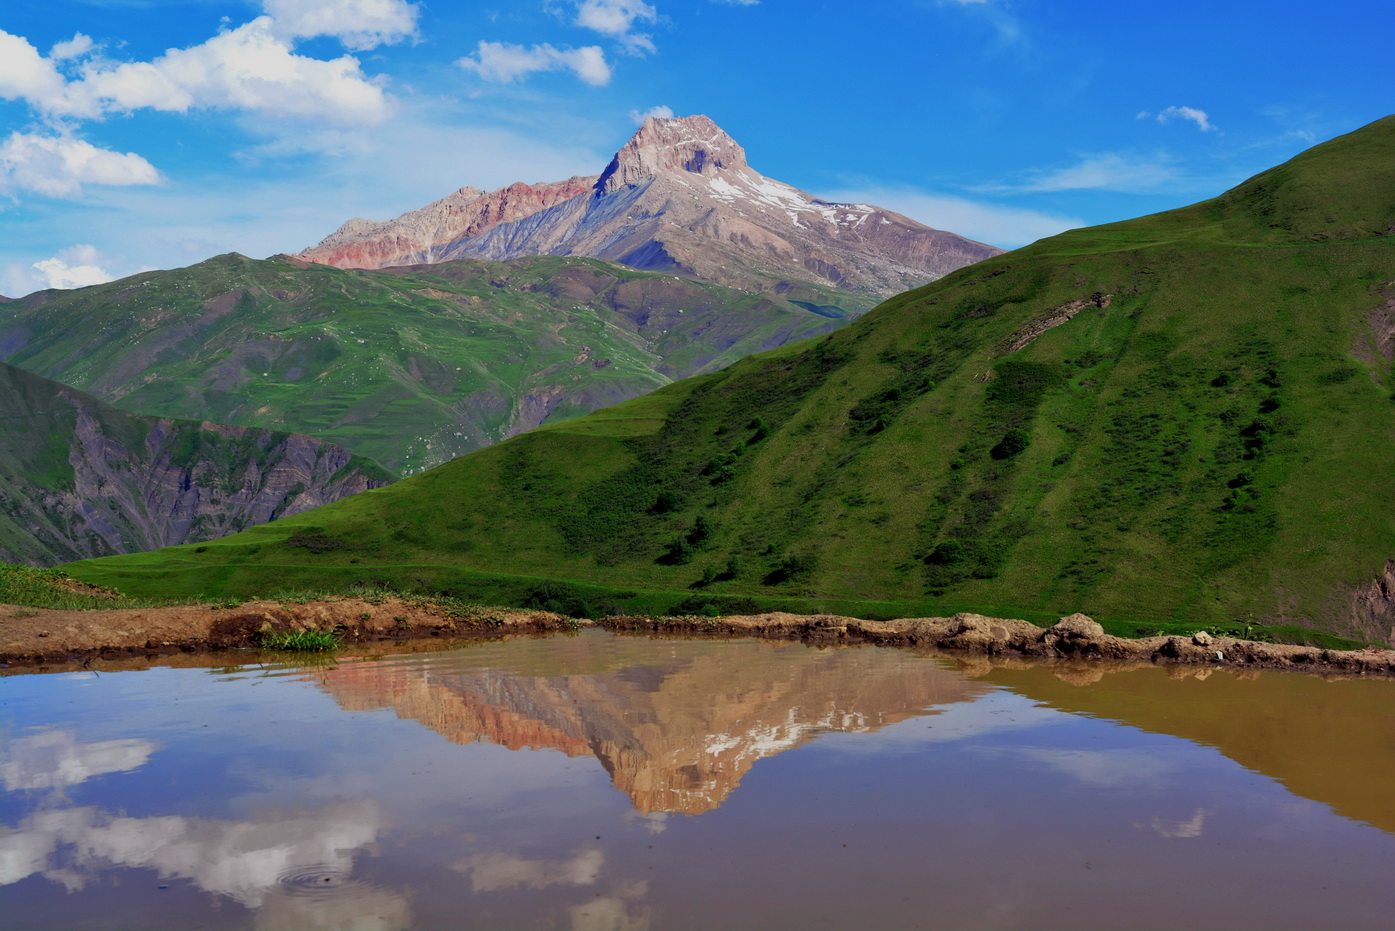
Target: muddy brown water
x=596, y=781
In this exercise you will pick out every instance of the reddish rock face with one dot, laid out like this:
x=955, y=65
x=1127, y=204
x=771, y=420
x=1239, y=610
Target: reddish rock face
x=679, y=197
x=417, y=237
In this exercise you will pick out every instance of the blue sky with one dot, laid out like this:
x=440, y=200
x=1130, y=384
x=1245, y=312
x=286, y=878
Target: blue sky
x=156, y=133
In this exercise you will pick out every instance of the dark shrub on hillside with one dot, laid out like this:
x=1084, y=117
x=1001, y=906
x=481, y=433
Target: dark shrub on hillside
x=1012, y=443
x=794, y=566
x=948, y=553
x=315, y=541
x=677, y=552
x=561, y=598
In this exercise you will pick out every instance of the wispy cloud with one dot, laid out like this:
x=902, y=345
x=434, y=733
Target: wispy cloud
x=1105, y=172
x=616, y=19
x=661, y=112
x=1008, y=26
x=1199, y=117
x=998, y=225
x=358, y=24
x=504, y=62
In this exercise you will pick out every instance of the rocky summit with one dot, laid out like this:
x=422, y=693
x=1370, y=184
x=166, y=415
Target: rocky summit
x=678, y=197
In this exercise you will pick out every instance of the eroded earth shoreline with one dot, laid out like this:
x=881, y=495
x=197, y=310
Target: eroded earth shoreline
x=48, y=638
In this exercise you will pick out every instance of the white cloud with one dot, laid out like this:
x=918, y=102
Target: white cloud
x=25, y=74
x=503, y=62
x=59, y=165
x=75, y=47
x=75, y=267
x=247, y=68
x=752, y=2
x=660, y=112
x=1187, y=113
x=1108, y=172
x=59, y=274
x=252, y=67
x=615, y=18
x=359, y=24
x=1007, y=227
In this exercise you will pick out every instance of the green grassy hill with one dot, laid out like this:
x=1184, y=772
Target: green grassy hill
x=1184, y=418
x=409, y=366
x=80, y=478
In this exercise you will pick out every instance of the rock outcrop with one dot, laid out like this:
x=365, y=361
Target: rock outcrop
x=79, y=478
x=419, y=236
x=678, y=197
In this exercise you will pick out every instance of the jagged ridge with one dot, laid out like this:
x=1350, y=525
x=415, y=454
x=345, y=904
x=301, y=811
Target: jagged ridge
x=679, y=196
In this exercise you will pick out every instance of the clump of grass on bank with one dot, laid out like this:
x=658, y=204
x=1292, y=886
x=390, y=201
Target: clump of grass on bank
x=301, y=641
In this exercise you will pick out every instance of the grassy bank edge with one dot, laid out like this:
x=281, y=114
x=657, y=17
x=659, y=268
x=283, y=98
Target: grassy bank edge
x=50, y=588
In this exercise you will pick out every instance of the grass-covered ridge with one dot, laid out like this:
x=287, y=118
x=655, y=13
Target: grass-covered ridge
x=409, y=367
x=1183, y=419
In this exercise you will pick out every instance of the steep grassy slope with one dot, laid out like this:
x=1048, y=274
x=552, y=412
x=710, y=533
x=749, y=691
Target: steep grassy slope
x=1184, y=417
x=408, y=366
x=80, y=478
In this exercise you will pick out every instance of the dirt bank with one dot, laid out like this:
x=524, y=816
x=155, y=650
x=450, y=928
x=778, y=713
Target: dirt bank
x=30, y=636
x=37, y=636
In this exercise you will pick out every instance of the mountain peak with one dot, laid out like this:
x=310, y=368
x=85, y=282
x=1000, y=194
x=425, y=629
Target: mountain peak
x=684, y=143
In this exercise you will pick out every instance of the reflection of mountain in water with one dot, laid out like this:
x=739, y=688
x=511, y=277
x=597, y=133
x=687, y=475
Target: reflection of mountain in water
x=677, y=734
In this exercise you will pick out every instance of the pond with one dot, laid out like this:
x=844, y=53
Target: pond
x=599, y=781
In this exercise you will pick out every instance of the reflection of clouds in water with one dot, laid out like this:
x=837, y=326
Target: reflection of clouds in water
x=994, y=712
x=55, y=759
x=247, y=861
x=357, y=908
x=655, y=822
x=1192, y=827
x=490, y=872
x=620, y=910
x=22, y=854
x=1106, y=768
x=617, y=912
